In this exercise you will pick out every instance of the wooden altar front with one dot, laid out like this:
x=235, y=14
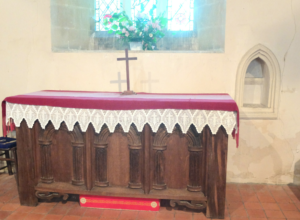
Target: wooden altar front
x=188, y=169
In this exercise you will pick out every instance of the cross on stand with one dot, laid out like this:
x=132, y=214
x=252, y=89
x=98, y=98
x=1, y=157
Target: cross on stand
x=128, y=92
x=119, y=81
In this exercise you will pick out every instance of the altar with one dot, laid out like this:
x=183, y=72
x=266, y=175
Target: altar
x=163, y=146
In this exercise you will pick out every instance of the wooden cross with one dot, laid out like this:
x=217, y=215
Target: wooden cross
x=119, y=81
x=128, y=92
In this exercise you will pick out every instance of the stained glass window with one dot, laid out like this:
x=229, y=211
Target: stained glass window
x=138, y=6
x=105, y=8
x=181, y=15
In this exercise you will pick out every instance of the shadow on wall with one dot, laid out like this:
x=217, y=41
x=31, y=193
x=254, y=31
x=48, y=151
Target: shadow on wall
x=296, y=180
x=294, y=187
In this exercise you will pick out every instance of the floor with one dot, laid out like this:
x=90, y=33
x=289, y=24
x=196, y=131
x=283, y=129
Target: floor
x=243, y=202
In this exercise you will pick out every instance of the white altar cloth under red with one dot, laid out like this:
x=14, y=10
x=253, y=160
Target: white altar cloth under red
x=111, y=108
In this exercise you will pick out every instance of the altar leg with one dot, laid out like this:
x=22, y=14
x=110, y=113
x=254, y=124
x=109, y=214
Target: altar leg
x=26, y=169
x=216, y=148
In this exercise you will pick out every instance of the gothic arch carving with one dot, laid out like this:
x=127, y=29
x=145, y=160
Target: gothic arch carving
x=102, y=137
x=269, y=59
x=45, y=143
x=136, y=155
x=193, y=138
x=100, y=147
x=195, y=160
x=159, y=146
x=161, y=138
x=133, y=136
x=47, y=133
x=76, y=134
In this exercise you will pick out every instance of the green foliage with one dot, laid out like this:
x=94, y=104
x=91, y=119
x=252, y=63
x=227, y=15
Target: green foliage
x=144, y=29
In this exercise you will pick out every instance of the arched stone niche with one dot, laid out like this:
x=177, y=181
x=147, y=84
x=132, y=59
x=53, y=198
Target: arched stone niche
x=258, y=84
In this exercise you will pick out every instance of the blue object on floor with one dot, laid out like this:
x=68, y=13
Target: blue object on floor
x=6, y=142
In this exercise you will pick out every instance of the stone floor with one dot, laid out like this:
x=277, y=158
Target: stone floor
x=243, y=202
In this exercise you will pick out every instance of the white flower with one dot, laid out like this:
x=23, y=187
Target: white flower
x=146, y=28
x=127, y=34
x=150, y=35
x=124, y=30
x=141, y=33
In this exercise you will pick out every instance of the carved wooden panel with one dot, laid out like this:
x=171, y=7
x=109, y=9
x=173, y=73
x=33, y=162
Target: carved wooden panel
x=78, y=151
x=147, y=174
x=195, y=161
x=172, y=162
x=26, y=164
x=159, y=146
x=118, y=158
x=100, y=149
x=62, y=166
x=45, y=144
x=78, y=155
x=135, y=147
x=177, y=161
x=54, y=144
x=216, y=146
x=46, y=166
x=205, y=137
x=159, y=170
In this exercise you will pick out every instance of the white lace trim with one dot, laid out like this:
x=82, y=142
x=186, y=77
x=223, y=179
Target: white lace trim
x=154, y=117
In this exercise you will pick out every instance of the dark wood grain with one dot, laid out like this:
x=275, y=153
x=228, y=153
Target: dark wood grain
x=147, y=133
x=119, y=191
x=135, y=169
x=177, y=161
x=135, y=147
x=62, y=165
x=26, y=161
x=78, y=153
x=99, y=160
x=46, y=166
x=216, y=179
x=159, y=160
x=118, y=159
x=195, y=168
x=175, y=166
x=205, y=136
x=45, y=148
x=88, y=140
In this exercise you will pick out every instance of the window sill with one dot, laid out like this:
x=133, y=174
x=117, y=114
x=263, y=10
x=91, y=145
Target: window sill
x=59, y=50
x=257, y=112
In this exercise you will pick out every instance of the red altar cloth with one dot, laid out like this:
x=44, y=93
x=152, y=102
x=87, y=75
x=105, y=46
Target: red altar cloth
x=116, y=101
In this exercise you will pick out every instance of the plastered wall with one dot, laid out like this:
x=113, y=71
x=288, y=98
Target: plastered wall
x=269, y=150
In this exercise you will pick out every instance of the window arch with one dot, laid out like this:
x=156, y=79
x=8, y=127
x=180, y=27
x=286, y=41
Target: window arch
x=258, y=84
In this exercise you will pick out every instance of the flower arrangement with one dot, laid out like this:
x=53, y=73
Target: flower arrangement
x=143, y=29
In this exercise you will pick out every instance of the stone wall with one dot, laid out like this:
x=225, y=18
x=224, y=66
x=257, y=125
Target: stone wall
x=72, y=24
